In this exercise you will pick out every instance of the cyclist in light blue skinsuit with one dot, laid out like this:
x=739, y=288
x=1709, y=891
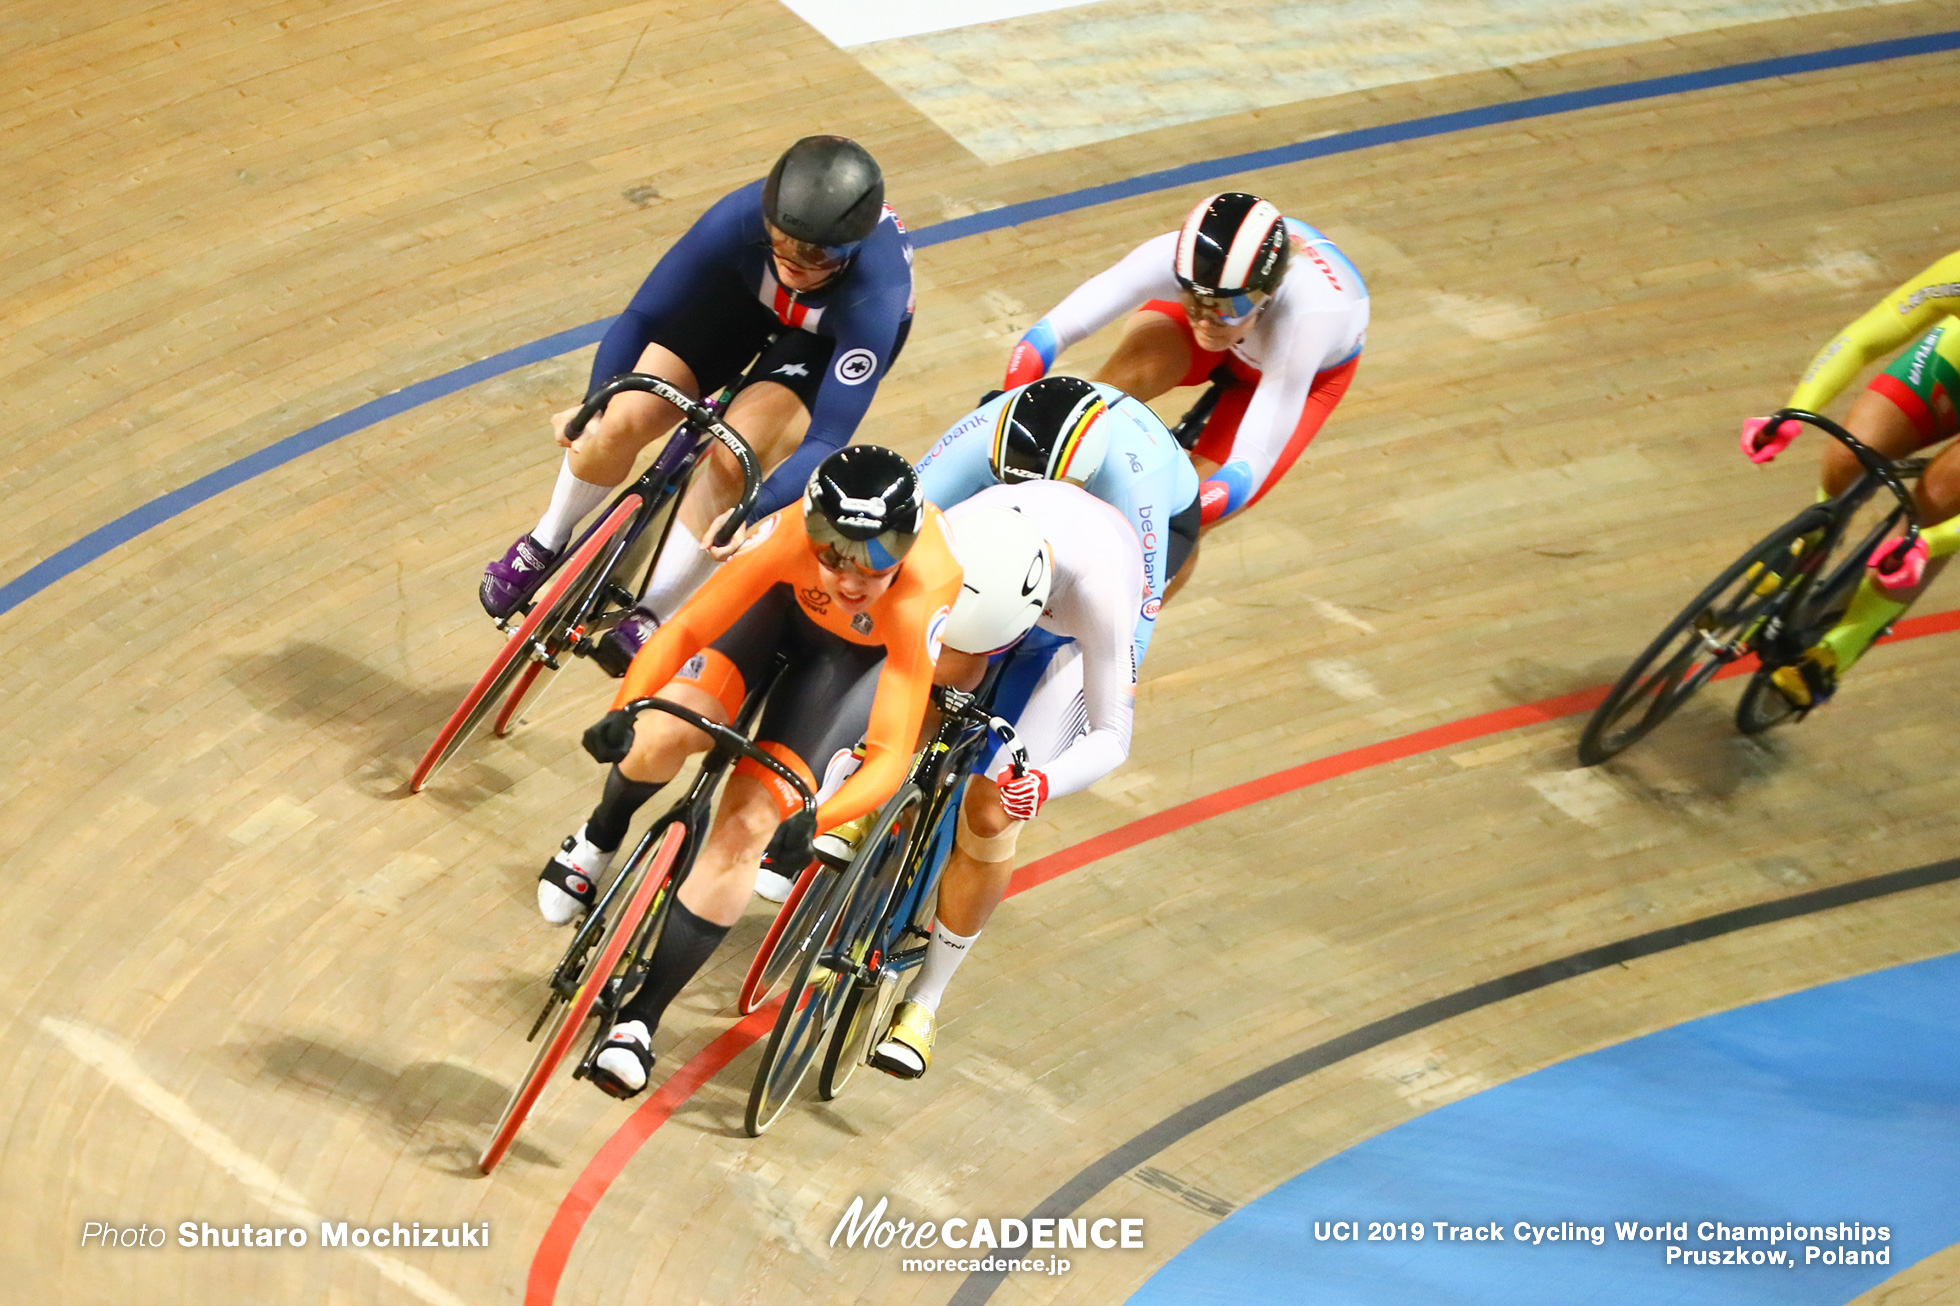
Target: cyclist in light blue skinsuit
x=1062, y=428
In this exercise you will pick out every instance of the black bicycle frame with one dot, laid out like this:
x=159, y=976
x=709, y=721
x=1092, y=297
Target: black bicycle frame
x=938, y=773
x=691, y=811
x=661, y=481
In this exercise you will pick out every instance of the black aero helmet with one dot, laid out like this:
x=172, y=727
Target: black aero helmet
x=825, y=190
x=1232, y=244
x=1050, y=430
x=863, y=508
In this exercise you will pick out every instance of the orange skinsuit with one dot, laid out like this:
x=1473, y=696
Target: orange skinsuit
x=1897, y=318
x=906, y=619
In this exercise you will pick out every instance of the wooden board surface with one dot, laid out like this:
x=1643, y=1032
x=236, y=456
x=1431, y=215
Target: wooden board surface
x=247, y=979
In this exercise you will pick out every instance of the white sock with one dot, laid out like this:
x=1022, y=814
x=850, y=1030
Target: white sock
x=571, y=500
x=943, y=956
x=679, y=572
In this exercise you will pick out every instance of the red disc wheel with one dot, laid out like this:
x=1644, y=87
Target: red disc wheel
x=545, y=627
x=775, y=957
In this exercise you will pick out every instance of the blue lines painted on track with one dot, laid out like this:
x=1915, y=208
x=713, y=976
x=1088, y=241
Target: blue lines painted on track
x=1828, y=1106
x=127, y=527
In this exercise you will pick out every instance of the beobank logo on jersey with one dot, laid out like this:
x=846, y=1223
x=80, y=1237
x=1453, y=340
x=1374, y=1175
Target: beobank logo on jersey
x=936, y=632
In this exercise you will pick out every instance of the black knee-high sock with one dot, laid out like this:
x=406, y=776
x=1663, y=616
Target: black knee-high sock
x=686, y=943
x=607, y=824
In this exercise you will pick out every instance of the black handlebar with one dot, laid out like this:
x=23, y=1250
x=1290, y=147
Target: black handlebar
x=731, y=741
x=701, y=417
x=958, y=703
x=1874, y=462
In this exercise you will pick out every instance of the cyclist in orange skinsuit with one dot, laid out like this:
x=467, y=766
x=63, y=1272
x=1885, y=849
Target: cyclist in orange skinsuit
x=855, y=586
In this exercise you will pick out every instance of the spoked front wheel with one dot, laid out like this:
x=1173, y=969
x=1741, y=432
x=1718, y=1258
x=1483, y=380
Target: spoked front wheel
x=1722, y=625
x=563, y=1029
x=542, y=636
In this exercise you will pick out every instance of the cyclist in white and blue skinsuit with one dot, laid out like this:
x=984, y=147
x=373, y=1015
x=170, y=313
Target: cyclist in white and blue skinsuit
x=1063, y=428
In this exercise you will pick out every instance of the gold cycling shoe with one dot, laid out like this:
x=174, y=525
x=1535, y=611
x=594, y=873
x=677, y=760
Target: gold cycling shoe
x=912, y=1030
x=1810, y=680
x=840, y=844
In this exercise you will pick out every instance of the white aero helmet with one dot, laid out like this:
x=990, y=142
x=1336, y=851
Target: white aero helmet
x=1008, y=569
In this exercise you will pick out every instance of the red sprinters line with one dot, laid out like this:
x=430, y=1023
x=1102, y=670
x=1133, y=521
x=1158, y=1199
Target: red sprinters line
x=549, y=1263
x=556, y=1248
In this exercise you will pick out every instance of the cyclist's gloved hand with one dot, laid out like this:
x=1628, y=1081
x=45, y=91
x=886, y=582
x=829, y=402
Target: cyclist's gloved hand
x=610, y=738
x=1022, y=798
x=1899, y=569
x=790, y=848
x=1023, y=365
x=1761, y=446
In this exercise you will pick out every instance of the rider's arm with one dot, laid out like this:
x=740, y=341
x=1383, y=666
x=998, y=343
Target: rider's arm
x=1143, y=274
x=1893, y=321
x=701, y=264
x=730, y=591
x=866, y=328
x=904, y=688
x=1109, y=679
x=1306, y=342
x=1145, y=476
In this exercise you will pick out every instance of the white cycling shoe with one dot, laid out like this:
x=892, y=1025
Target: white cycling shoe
x=625, y=1063
x=570, y=880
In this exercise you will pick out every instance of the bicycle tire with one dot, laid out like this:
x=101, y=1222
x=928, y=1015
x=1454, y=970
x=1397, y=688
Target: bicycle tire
x=782, y=945
x=1723, y=622
x=563, y=1030
x=866, y=1005
x=804, y=1019
x=1763, y=707
x=504, y=669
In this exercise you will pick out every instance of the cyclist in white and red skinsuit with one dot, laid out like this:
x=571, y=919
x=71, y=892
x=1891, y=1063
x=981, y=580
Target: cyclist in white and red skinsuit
x=1265, y=305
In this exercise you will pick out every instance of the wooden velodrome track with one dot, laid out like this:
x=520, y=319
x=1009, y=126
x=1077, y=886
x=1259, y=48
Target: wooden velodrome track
x=247, y=979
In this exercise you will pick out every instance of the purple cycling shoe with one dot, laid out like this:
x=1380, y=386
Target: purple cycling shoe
x=617, y=648
x=506, y=580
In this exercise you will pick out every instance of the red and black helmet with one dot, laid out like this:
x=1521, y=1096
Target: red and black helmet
x=1232, y=244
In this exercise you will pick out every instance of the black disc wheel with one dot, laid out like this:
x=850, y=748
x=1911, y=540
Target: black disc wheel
x=868, y=1006
x=847, y=930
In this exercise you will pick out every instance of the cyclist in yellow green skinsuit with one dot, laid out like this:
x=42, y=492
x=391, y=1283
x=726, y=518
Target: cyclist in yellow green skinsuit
x=1907, y=407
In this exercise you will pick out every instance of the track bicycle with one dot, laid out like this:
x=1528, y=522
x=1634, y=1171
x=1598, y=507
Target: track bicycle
x=594, y=583
x=1773, y=602
x=606, y=959
x=851, y=934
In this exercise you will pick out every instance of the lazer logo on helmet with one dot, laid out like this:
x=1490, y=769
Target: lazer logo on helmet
x=866, y=513
x=856, y=366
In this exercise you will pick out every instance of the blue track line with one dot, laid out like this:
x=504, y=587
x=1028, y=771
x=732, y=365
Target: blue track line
x=100, y=541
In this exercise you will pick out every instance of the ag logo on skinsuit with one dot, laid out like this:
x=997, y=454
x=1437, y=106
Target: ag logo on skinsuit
x=856, y=366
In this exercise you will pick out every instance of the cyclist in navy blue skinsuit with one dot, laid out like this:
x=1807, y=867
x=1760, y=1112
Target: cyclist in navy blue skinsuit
x=798, y=289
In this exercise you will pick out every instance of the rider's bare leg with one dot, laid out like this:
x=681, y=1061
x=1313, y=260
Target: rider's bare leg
x=1879, y=422
x=1151, y=358
x=773, y=420
x=602, y=457
x=969, y=891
